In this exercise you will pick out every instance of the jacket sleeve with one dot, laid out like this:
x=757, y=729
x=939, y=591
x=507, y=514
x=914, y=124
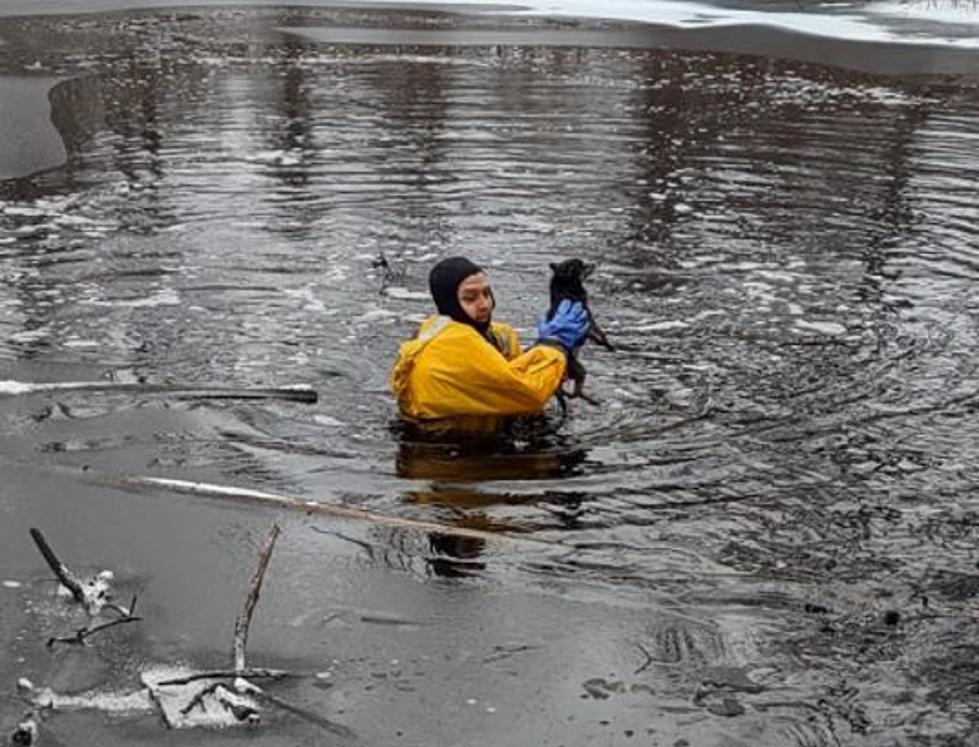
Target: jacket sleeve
x=465, y=375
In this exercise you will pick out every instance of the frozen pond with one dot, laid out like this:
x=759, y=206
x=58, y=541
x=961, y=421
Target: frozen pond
x=764, y=535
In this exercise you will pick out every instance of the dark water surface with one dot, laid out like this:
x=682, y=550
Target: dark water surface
x=769, y=524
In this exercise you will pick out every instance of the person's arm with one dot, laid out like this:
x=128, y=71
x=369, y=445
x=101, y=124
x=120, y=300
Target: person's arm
x=464, y=375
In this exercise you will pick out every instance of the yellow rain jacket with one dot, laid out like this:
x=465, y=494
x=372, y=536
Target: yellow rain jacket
x=449, y=369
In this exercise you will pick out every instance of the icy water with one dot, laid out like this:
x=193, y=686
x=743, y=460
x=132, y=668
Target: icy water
x=765, y=534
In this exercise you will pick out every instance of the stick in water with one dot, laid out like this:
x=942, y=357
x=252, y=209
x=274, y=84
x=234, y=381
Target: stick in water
x=188, y=391
x=309, y=507
x=244, y=618
x=68, y=579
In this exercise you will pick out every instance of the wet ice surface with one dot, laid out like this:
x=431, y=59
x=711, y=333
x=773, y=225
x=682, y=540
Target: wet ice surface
x=768, y=527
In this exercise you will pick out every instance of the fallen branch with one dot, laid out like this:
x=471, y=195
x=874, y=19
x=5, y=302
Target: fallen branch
x=83, y=633
x=338, y=729
x=288, y=393
x=228, y=674
x=68, y=579
x=224, y=696
x=317, y=508
x=92, y=593
x=244, y=619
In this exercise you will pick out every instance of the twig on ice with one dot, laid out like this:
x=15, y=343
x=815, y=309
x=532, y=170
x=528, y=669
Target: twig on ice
x=198, y=700
x=244, y=618
x=228, y=674
x=122, y=611
x=338, y=729
x=83, y=633
x=649, y=659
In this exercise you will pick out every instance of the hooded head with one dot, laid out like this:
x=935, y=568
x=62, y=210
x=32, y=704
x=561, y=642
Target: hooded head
x=444, y=281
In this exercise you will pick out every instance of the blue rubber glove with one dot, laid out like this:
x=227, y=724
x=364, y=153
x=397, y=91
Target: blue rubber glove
x=567, y=328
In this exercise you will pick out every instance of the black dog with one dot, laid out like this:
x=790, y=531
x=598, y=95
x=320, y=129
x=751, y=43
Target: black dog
x=568, y=282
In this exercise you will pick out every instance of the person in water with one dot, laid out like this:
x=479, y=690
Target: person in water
x=462, y=363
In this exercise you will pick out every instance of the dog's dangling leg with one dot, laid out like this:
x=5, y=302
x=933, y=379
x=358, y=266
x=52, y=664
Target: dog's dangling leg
x=562, y=400
x=597, y=335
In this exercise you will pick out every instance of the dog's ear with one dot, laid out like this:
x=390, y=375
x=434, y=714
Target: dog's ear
x=553, y=266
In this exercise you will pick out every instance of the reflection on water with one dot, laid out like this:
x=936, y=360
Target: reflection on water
x=785, y=438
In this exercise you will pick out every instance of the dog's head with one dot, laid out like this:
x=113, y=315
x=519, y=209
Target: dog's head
x=567, y=281
x=571, y=270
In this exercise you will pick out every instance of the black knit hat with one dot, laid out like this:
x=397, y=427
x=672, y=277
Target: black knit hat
x=444, y=280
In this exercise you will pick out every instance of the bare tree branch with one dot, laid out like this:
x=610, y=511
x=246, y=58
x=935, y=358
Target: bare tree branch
x=244, y=618
x=83, y=633
x=228, y=674
x=68, y=579
x=310, y=507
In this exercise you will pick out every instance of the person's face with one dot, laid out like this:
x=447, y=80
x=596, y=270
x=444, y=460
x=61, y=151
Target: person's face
x=476, y=297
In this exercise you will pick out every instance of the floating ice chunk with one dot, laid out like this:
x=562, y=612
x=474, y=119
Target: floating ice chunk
x=74, y=220
x=403, y=294
x=30, y=335
x=200, y=703
x=26, y=732
x=24, y=212
x=776, y=275
x=826, y=328
x=375, y=314
x=136, y=701
x=15, y=387
x=661, y=326
x=166, y=297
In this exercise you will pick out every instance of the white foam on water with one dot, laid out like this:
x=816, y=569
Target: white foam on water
x=8, y=584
